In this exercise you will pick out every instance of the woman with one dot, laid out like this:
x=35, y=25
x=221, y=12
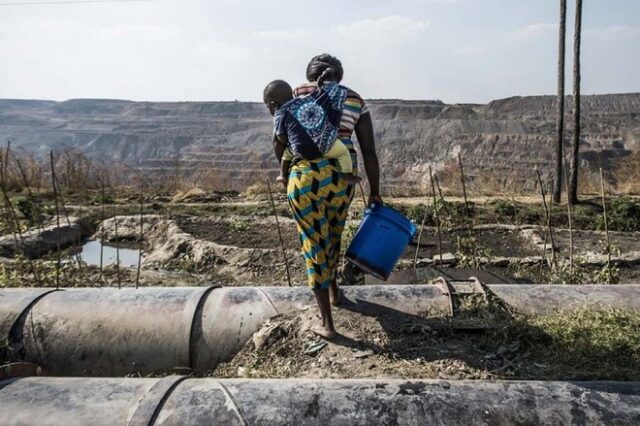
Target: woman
x=319, y=197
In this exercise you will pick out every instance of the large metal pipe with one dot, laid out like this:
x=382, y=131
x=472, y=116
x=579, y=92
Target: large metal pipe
x=14, y=303
x=111, y=332
x=107, y=331
x=179, y=401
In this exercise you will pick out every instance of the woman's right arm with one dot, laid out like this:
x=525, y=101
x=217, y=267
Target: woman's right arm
x=364, y=132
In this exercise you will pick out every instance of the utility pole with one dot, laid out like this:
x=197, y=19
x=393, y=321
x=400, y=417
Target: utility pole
x=557, y=185
x=575, y=165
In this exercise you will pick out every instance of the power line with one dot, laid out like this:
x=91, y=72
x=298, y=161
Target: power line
x=35, y=3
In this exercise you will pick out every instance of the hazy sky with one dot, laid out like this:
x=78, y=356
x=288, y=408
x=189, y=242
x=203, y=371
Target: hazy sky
x=454, y=50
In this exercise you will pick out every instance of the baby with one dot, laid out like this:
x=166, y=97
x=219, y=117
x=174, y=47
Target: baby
x=306, y=129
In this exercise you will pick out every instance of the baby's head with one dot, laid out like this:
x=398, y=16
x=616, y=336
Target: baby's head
x=276, y=94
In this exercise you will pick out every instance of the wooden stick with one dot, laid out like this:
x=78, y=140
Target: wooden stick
x=444, y=203
x=16, y=223
x=76, y=241
x=464, y=192
x=101, y=230
x=424, y=220
x=364, y=198
x=25, y=179
x=275, y=214
x=12, y=216
x=5, y=163
x=435, y=209
x=115, y=221
x=544, y=255
x=141, y=230
x=5, y=209
x=569, y=213
x=548, y=217
x=606, y=227
x=55, y=197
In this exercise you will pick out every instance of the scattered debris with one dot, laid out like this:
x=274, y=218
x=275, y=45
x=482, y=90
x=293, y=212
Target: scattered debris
x=485, y=341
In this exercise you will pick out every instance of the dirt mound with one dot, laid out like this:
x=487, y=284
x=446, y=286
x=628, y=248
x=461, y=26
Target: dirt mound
x=576, y=345
x=367, y=347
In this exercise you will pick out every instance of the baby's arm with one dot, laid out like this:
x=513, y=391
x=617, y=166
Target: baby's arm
x=279, y=145
x=284, y=157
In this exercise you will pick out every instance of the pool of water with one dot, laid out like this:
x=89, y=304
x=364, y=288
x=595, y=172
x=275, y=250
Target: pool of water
x=90, y=254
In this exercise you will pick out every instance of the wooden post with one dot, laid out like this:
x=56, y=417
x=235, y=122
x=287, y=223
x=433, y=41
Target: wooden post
x=275, y=214
x=569, y=215
x=548, y=217
x=444, y=203
x=102, y=230
x=115, y=224
x=437, y=215
x=606, y=227
x=76, y=241
x=16, y=225
x=575, y=164
x=5, y=208
x=25, y=179
x=424, y=220
x=464, y=193
x=557, y=186
x=5, y=164
x=55, y=198
x=141, y=230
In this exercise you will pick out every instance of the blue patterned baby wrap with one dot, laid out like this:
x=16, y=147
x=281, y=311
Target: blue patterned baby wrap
x=311, y=123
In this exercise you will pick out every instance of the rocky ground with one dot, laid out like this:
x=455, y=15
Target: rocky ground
x=575, y=345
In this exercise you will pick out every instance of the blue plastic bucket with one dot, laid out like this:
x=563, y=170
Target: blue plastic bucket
x=380, y=241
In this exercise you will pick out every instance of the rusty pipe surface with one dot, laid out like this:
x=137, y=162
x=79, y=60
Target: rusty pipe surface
x=176, y=400
x=111, y=332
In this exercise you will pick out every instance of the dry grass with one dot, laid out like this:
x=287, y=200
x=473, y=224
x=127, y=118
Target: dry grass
x=627, y=174
x=189, y=194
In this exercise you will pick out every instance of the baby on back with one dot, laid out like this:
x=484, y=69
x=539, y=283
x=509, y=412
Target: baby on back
x=307, y=127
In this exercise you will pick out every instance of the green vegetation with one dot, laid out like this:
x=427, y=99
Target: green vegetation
x=580, y=273
x=578, y=344
x=240, y=224
x=583, y=344
x=28, y=208
x=349, y=232
x=470, y=254
x=623, y=214
x=20, y=273
x=505, y=208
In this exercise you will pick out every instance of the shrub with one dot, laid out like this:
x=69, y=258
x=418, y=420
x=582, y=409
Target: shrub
x=623, y=214
x=27, y=208
x=505, y=208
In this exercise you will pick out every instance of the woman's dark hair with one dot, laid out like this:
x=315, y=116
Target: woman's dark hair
x=325, y=67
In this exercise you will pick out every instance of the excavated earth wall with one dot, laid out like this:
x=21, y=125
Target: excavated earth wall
x=230, y=140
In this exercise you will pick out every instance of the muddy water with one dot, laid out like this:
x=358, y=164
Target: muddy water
x=91, y=254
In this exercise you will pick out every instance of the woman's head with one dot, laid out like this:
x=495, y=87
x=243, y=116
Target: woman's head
x=325, y=68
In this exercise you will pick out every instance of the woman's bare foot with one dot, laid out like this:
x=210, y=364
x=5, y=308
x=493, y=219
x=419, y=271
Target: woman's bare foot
x=335, y=295
x=324, y=332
